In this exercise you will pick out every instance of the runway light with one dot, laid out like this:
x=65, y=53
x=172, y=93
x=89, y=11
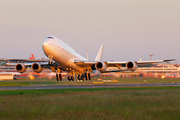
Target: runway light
x=163, y=77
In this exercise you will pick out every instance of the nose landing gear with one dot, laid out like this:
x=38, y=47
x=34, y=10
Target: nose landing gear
x=58, y=74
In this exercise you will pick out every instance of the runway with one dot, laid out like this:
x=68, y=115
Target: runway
x=85, y=86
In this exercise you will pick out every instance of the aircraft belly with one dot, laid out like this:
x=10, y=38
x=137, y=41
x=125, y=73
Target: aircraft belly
x=70, y=64
x=65, y=61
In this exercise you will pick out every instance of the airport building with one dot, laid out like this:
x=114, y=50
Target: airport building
x=166, y=70
x=10, y=68
x=152, y=70
x=7, y=72
x=6, y=76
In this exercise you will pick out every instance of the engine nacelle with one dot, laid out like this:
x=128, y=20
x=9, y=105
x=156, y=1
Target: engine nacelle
x=37, y=67
x=101, y=66
x=21, y=68
x=131, y=66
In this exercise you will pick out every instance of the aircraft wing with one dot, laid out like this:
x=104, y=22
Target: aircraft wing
x=119, y=70
x=118, y=64
x=84, y=63
x=114, y=63
x=151, y=62
x=36, y=66
x=28, y=63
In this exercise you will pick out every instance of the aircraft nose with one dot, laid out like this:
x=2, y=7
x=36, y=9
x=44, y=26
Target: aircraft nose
x=46, y=45
x=47, y=42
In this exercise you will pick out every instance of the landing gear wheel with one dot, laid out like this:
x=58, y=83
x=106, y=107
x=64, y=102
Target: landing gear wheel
x=57, y=78
x=86, y=76
x=89, y=76
x=72, y=78
x=82, y=78
x=60, y=78
x=69, y=78
x=79, y=77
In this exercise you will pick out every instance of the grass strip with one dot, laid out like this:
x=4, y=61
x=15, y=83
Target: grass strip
x=136, y=103
x=53, y=91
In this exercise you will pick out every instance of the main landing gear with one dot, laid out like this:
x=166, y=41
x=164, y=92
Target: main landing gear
x=80, y=78
x=58, y=74
x=87, y=73
x=70, y=78
x=87, y=76
x=58, y=77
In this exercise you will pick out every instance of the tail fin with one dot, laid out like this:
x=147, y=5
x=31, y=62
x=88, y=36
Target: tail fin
x=99, y=54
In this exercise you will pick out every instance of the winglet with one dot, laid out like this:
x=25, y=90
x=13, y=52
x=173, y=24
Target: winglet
x=169, y=60
x=99, y=54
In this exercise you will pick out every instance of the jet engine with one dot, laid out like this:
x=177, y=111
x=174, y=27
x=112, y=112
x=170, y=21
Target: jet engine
x=21, y=68
x=101, y=66
x=37, y=67
x=131, y=66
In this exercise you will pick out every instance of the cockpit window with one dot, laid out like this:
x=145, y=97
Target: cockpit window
x=50, y=37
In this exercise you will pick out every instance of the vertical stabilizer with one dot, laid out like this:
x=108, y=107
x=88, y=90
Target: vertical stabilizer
x=99, y=54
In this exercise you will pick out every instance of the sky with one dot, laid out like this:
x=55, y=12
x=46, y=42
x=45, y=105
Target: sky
x=128, y=29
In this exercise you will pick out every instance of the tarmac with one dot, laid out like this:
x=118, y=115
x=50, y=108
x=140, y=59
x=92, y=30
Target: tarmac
x=85, y=86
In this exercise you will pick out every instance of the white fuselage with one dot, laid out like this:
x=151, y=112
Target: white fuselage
x=62, y=53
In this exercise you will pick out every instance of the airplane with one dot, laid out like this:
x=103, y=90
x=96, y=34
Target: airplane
x=64, y=58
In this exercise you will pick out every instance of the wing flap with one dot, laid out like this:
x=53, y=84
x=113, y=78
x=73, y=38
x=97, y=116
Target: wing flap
x=151, y=62
x=14, y=64
x=28, y=64
x=84, y=63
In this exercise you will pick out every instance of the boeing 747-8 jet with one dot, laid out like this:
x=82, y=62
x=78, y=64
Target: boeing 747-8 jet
x=64, y=58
